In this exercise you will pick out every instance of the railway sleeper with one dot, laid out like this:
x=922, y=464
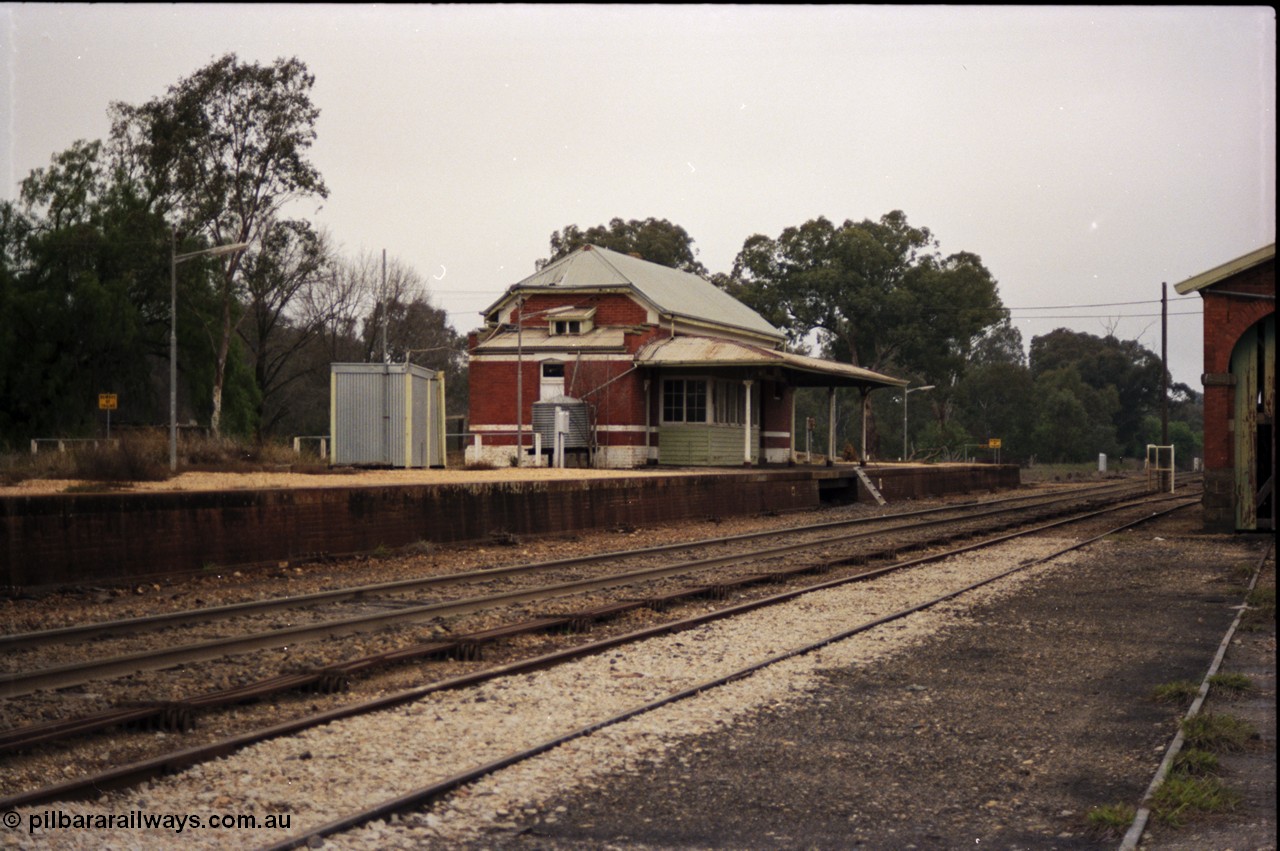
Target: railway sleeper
x=168, y=717
x=663, y=602
x=332, y=680
x=582, y=621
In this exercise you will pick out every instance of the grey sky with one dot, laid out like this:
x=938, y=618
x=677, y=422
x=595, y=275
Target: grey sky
x=1086, y=154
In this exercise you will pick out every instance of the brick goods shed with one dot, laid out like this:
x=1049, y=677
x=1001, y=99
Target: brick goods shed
x=665, y=368
x=1239, y=390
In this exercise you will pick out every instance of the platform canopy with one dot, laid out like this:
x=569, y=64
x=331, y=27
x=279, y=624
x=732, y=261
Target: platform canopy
x=796, y=370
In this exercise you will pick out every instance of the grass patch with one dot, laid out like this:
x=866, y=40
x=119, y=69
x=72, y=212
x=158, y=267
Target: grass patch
x=135, y=458
x=1212, y=731
x=1230, y=685
x=1196, y=763
x=1111, y=820
x=1180, y=691
x=1262, y=609
x=1241, y=573
x=1183, y=797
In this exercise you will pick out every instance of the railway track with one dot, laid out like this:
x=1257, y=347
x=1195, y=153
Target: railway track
x=171, y=762
x=391, y=607
x=412, y=804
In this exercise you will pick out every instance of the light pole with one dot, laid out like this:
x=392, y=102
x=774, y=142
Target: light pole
x=174, y=259
x=905, y=392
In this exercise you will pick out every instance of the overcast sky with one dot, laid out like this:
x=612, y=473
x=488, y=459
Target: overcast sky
x=1085, y=154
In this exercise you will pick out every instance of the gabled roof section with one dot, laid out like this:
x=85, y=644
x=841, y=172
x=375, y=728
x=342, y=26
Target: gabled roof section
x=1226, y=270
x=671, y=291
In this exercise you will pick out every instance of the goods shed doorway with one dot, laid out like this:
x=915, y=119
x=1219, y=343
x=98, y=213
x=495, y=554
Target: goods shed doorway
x=1253, y=368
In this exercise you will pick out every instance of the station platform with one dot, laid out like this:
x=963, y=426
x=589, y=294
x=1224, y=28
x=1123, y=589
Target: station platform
x=59, y=539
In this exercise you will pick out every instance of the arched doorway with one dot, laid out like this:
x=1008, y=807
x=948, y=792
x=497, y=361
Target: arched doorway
x=1253, y=368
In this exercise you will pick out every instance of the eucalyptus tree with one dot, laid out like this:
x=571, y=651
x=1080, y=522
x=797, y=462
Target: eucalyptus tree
x=656, y=240
x=84, y=296
x=222, y=153
x=1107, y=364
x=293, y=273
x=878, y=295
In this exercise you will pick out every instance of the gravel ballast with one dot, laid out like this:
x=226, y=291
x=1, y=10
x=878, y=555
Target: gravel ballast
x=997, y=719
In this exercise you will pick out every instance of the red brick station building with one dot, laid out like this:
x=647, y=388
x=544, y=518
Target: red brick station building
x=649, y=364
x=1239, y=390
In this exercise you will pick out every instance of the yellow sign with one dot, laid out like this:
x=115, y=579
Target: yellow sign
x=993, y=443
x=106, y=401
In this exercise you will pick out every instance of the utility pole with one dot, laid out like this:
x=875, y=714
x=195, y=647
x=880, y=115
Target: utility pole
x=520, y=382
x=1164, y=364
x=386, y=358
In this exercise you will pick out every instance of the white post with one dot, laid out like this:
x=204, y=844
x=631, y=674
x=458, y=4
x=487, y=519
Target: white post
x=794, y=451
x=746, y=424
x=831, y=426
x=866, y=409
x=562, y=428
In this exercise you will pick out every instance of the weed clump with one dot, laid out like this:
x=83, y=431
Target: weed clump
x=1179, y=691
x=1111, y=820
x=1230, y=685
x=1181, y=797
x=1216, y=732
x=1196, y=763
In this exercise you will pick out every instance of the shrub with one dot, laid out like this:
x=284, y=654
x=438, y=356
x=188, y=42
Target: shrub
x=134, y=458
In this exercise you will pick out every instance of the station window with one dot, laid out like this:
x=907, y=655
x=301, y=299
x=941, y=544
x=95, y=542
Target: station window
x=567, y=326
x=684, y=400
x=728, y=402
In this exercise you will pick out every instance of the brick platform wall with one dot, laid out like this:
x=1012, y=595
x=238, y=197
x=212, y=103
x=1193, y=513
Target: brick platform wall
x=61, y=539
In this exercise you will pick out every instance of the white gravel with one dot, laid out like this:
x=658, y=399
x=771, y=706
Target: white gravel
x=328, y=772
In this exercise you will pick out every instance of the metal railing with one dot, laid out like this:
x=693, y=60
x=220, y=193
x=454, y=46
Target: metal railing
x=322, y=445
x=61, y=443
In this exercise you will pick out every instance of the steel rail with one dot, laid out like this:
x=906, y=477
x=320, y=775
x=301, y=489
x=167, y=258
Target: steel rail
x=176, y=761
x=434, y=791
x=178, y=715
x=82, y=632
x=24, y=682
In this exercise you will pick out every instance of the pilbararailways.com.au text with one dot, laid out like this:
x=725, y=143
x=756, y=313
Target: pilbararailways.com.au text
x=55, y=820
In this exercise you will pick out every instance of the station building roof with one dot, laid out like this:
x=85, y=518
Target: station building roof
x=798, y=370
x=670, y=291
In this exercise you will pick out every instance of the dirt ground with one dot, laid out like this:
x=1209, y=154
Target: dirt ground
x=1003, y=731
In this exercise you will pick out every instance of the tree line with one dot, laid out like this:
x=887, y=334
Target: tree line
x=85, y=271
x=880, y=295
x=222, y=158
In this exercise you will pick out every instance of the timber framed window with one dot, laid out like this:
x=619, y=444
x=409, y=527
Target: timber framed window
x=684, y=400
x=707, y=400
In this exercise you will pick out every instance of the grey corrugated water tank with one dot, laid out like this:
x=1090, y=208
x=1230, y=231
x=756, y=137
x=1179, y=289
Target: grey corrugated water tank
x=544, y=422
x=386, y=415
